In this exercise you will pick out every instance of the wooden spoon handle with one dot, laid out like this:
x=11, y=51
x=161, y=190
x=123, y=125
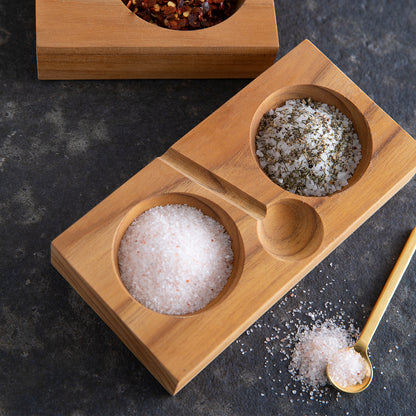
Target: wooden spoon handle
x=388, y=290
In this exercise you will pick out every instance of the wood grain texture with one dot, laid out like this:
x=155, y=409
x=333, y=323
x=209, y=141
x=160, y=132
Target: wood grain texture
x=102, y=39
x=278, y=237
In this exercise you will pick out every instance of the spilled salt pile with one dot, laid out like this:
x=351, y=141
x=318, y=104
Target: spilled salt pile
x=174, y=259
x=314, y=347
x=282, y=328
x=347, y=367
x=307, y=147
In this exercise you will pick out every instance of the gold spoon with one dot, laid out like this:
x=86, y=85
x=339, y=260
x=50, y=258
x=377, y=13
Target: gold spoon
x=370, y=327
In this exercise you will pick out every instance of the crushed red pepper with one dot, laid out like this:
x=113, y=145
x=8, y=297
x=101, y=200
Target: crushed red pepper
x=183, y=14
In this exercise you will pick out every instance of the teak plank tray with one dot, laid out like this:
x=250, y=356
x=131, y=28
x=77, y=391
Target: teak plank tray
x=103, y=39
x=278, y=237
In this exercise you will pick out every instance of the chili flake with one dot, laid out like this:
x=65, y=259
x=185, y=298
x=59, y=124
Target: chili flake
x=183, y=14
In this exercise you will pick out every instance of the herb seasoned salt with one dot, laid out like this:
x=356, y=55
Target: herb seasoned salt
x=307, y=147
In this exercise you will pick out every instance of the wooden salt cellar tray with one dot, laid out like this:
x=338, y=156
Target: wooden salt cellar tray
x=103, y=39
x=278, y=237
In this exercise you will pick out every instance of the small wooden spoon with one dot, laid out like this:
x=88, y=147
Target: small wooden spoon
x=370, y=327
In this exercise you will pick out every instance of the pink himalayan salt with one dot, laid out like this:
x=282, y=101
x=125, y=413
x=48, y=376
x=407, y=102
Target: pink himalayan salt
x=174, y=259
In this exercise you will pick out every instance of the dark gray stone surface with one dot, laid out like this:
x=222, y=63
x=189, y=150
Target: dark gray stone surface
x=64, y=146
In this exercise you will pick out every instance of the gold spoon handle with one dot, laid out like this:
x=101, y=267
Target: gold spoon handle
x=388, y=290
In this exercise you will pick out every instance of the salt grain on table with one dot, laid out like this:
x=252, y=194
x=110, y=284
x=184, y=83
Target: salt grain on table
x=174, y=259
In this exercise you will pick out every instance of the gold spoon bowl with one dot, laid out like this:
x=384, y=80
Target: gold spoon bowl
x=361, y=346
x=354, y=388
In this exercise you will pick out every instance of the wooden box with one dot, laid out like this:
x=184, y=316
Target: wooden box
x=278, y=237
x=103, y=39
